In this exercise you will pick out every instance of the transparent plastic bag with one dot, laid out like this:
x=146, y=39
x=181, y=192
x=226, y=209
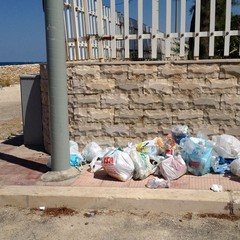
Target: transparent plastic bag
x=142, y=165
x=226, y=146
x=173, y=167
x=179, y=132
x=197, y=153
x=158, y=183
x=235, y=167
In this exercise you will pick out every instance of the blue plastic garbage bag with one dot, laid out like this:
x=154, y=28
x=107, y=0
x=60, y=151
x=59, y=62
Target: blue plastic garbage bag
x=75, y=160
x=197, y=153
x=221, y=165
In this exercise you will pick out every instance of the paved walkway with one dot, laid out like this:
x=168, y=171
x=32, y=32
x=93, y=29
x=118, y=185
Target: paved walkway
x=21, y=165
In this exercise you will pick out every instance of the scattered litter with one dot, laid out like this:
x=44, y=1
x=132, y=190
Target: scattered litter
x=169, y=157
x=158, y=183
x=216, y=188
x=90, y=214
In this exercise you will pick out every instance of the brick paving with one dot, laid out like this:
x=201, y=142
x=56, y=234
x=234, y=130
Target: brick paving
x=20, y=165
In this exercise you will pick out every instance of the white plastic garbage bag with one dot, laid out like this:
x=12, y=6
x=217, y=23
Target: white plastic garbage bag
x=118, y=164
x=142, y=165
x=90, y=151
x=235, y=167
x=173, y=167
x=226, y=146
x=96, y=163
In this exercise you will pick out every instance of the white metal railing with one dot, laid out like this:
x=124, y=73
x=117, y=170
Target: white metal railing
x=94, y=31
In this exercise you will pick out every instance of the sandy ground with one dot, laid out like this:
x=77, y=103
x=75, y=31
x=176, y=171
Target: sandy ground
x=21, y=224
x=10, y=111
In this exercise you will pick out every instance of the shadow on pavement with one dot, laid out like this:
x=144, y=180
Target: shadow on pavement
x=18, y=140
x=24, y=163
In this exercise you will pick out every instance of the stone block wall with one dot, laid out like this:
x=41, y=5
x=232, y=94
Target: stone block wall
x=117, y=103
x=11, y=73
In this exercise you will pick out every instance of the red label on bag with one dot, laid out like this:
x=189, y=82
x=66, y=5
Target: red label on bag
x=108, y=160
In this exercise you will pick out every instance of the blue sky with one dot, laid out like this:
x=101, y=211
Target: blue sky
x=22, y=31
x=22, y=28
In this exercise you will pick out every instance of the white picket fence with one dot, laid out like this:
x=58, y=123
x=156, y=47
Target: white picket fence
x=94, y=31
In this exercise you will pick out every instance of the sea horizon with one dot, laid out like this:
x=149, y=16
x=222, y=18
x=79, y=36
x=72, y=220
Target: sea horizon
x=17, y=63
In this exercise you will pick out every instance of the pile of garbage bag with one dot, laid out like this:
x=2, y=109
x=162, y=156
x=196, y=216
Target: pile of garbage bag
x=168, y=157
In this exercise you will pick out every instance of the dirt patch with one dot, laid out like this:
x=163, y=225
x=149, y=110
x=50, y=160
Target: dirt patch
x=229, y=217
x=56, y=212
x=10, y=128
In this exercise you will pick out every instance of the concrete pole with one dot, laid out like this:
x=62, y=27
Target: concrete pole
x=58, y=99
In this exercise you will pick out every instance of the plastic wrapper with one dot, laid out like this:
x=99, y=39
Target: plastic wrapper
x=158, y=183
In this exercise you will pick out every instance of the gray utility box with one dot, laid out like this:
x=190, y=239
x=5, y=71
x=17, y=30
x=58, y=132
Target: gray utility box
x=31, y=109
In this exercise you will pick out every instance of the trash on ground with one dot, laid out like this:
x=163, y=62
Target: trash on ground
x=226, y=146
x=179, y=132
x=235, y=167
x=158, y=183
x=220, y=165
x=90, y=214
x=96, y=163
x=118, y=164
x=75, y=158
x=90, y=151
x=142, y=165
x=197, y=153
x=167, y=157
x=173, y=167
x=216, y=188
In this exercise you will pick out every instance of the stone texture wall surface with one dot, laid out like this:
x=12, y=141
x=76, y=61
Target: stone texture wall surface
x=117, y=103
x=12, y=72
